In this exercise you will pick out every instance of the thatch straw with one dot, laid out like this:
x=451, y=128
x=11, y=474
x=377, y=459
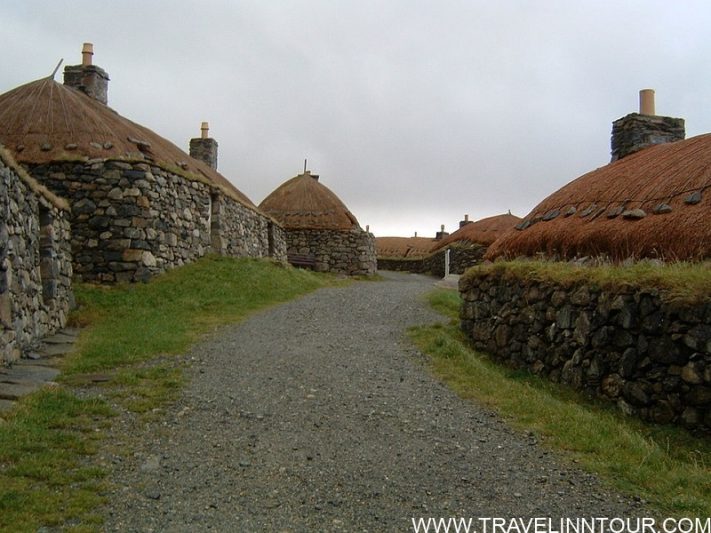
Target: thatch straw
x=404, y=247
x=654, y=203
x=32, y=183
x=484, y=231
x=45, y=121
x=304, y=203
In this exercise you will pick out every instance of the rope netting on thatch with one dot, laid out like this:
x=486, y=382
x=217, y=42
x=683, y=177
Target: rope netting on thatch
x=44, y=121
x=304, y=203
x=654, y=203
x=404, y=247
x=484, y=231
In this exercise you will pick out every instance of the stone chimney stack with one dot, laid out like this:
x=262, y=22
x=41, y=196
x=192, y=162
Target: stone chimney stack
x=441, y=234
x=640, y=130
x=87, y=77
x=204, y=148
x=464, y=222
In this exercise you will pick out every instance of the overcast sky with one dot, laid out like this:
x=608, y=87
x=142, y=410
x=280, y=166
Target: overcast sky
x=413, y=112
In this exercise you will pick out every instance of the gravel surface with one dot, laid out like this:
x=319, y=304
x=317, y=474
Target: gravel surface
x=319, y=415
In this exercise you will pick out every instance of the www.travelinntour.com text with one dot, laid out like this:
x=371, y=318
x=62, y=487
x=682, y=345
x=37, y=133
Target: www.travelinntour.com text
x=562, y=525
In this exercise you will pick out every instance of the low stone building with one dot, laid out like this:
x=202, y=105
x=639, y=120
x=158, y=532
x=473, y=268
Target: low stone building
x=140, y=205
x=651, y=201
x=320, y=230
x=35, y=260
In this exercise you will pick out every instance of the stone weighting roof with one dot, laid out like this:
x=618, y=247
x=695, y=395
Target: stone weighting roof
x=304, y=203
x=484, y=231
x=44, y=121
x=655, y=203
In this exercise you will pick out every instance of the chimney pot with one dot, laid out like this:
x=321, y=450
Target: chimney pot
x=646, y=102
x=415, y=234
x=204, y=130
x=466, y=218
x=442, y=227
x=87, y=51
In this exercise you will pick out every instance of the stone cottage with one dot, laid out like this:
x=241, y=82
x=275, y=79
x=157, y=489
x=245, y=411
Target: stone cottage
x=320, y=230
x=469, y=243
x=651, y=201
x=35, y=260
x=140, y=205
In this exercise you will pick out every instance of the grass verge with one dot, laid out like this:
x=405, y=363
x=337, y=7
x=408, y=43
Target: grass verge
x=666, y=466
x=46, y=476
x=684, y=281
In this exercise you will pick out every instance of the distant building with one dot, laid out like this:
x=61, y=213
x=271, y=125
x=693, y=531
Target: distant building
x=320, y=230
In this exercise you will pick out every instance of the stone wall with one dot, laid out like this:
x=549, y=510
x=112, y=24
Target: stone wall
x=237, y=231
x=133, y=219
x=630, y=345
x=35, y=264
x=349, y=252
x=461, y=257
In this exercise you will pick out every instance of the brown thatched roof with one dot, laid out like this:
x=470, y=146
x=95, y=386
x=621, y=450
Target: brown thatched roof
x=44, y=121
x=654, y=203
x=404, y=247
x=484, y=231
x=304, y=203
x=32, y=183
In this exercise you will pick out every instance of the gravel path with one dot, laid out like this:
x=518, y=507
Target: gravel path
x=318, y=415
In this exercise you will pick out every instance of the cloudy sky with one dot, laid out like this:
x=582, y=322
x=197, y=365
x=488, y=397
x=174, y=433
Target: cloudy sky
x=414, y=112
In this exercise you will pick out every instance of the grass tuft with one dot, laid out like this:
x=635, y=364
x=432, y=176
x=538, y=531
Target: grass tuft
x=666, y=466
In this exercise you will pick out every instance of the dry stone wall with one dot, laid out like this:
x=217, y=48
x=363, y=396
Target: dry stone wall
x=461, y=257
x=133, y=219
x=633, y=346
x=35, y=266
x=237, y=231
x=349, y=252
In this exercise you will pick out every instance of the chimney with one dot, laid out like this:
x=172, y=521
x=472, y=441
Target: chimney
x=640, y=130
x=204, y=148
x=464, y=222
x=441, y=234
x=87, y=77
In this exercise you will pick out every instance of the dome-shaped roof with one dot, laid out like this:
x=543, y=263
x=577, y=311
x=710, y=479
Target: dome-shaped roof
x=484, y=231
x=44, y=121
x=410, y=247
x=654, y=203
x=304, y=203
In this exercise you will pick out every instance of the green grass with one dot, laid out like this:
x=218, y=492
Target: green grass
x=666, y=466
x=131, y=333
x=687, y=281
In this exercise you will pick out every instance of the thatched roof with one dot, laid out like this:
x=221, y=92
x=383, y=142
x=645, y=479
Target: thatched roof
x=654, y=203
x=304, y=203
x=33, y=184
x=44, y=121
x=404, y=247
x=484, y=231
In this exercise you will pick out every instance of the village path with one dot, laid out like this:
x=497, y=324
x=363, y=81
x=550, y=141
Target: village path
x=319, y=415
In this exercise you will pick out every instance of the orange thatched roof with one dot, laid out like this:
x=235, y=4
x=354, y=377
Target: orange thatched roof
x=654, y=203
x=404, y=247
x=44, y=121
x=484, y=231
x=304, y=203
